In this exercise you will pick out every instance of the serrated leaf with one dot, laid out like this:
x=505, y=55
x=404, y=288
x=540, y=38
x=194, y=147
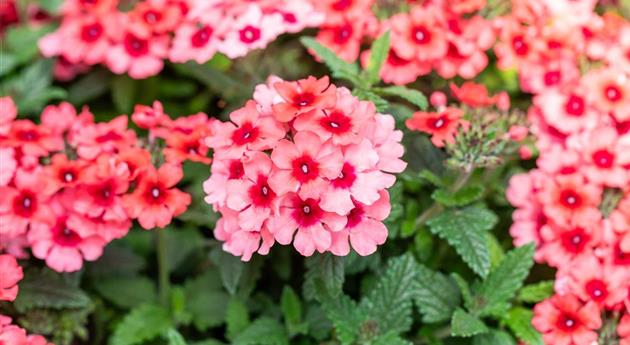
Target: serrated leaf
x=378, y=55
x=519, y=320
x=236, y=318
x=123, y=93
x=292, y=310
x=380, y=103
x=174, y=337
x=464, y=289
x=436, y=295
x=325, y=275
x=414, y=97
x=143, y=323
x=494, y=337
x=21, y=40
x=464, y=230
x=338, y=67
x=536, y=292
x=230, y=267
x=127, y=292
x=345, y=316
x=8, y=63
x=264, y=331
x=207, y=308
x=502, y=283
x=466, y=325
x=390, y=338
x=47, y=289
x=462, y=197
x=496, y=251
x=389, y=303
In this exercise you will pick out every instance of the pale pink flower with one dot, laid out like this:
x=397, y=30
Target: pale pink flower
x=607, y=157
x=139, y=57
x=198, y=40
x=385, y=138
x=222, y=171
x=251, y=30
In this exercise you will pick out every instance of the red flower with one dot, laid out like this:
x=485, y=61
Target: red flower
x=442, y=126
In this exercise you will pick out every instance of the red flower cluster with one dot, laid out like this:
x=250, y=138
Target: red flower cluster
x=576, y=205
x=306, y=156
x=138, y=41
x=69, y=185
x=446, y=36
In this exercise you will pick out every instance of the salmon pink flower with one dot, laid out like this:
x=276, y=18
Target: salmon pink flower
x=25, y=204
x=611, y=92
x=567, y=113
x=313, y=225
x=419, y=34
x=222, y=172
x=140, y=57
x=359, y=180
x=182, y=147
x=154, y=17
x=303, y=96
x=136, y=160
x=382, y=132
x=570, y=200
x=60, y=117
x=343, y=38
x=607, y=156
x=337, y=10
x=149, y=117
x=8, y=113
x=252, y=196
x=442, y=126
x=397, y=70
x=251, y=30
x=67, y=243
x=342, y=123
x=33, y=140
x=249, y=130
x=95, y=139
x=155, y=201
x=564, y=245
x=65, y=173
x=623, y=329
x=591, y=280
x=8, y=166
x=566, y=320
x=198, y=41
x=10, y=275
x=304, y=165
x=364, y=228
x=241, y=242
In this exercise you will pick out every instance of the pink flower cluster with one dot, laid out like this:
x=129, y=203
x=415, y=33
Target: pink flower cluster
x=576, y=204
x=139, y=40
x=303, y=162
x=69, y=185
x=10, y=275
x=446, y=36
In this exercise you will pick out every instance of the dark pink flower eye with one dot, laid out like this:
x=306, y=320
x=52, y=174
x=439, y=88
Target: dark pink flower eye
x=249, y=34
x=201, y=37
x=421, y=35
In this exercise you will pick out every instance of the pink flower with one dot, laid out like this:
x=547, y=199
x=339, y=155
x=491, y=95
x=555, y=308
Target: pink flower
x=314, y=225
x=60, y=117
x=364, y=228
x=10, y=275
x=358, y=181
x=418, y=34
x=304, y=165
x=343, y=38
x=382, y=132
x=565, y=320
x=140, y=57
x=94, y=139
x=67, y=243
x=623, y=329
x=569, y=200
x=149, y=117
x=249, y=130
x=299, y=14
x=342, y=123
x=607, y=155
x=252, y=196
x=198, y=40
x=303, y=96
x=182, y=147
x=154, y=17
x=25, y=204
x=155, y=201
x=568, y=113
x=251, y=30
x=591, y=280
x=442, y=126
x=241, y=242
x=564, y=245
x=8, y=113
x=64, y=173
x=222, y=172
x=611, y=92
x=8, y=166
x=33, y=140
x=336, y=10
x=397, y=70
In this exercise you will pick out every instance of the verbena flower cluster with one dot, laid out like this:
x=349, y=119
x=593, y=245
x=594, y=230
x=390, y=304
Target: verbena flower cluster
x=304, y=162
x=138, y=41
x=576, y=204
x=71, y=185
x=10, y=275
x=448, y=37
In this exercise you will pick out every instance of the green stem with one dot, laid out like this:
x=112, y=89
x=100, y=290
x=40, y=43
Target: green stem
x=430, y=212
x=164, y=283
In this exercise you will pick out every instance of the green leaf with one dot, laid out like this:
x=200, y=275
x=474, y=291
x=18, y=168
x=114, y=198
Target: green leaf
x=207, y=308
x=428, y=175
x=174, y=337
x=325, y=275
x=536, y=292
x=47, y=289
x=414, y=97
x=436, y=295
x=464, y=230
x=466, y=325
x=143, y=323
x=50, y=6
x=390, y=338
x=31, y=89
x=127, y=292
x=345, y=316
x=237, y=317
x=496, y=251
x=462, y=197
x=494, y=337
x=181, y=242
x=339, y=68
x=380, y=103
x=21, y=40
x=208, y=342
x=519, y=320
x=8, y=63
x=389, y=303
x=292, y=310
x=264, y=331
x=464, y=289
x=230, y=267
x=123, y=93
x=378, y=55
x=92, y=85
x=502, y=283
